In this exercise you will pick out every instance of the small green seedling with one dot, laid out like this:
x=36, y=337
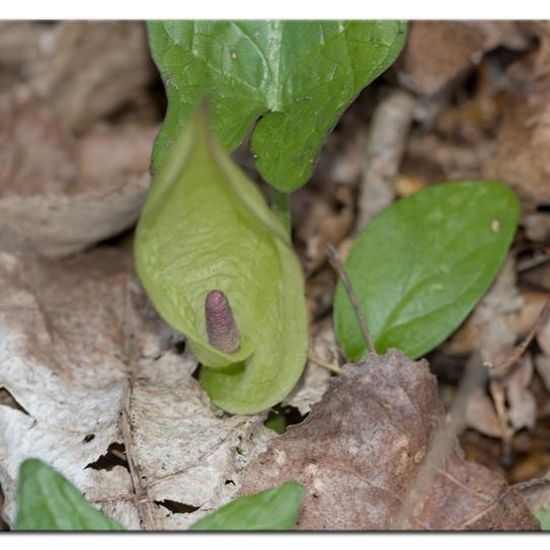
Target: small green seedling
x=47, y=501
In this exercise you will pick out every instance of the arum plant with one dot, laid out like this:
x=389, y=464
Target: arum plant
x=215, y=260
x=218, y=266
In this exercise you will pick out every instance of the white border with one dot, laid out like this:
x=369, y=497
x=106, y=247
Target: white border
x=317, y=541
x=273, y=9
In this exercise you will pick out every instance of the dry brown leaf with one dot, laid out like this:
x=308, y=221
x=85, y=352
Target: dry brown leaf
x=522, y=406
x=521, y=153
x=36, y=155
x=542, y=361
x=90, y=370
x=426, y=67
x=325, y=217
x=360, y=450
x=83, y=70
x=59, y=195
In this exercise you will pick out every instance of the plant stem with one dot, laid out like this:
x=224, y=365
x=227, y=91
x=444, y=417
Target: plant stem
x=280, y=204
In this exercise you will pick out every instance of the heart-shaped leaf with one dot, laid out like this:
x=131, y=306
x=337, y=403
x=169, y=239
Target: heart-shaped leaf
x=421, y=265
x=298, y=76
x=271, y=510
x=205, y=226
x=47, y=501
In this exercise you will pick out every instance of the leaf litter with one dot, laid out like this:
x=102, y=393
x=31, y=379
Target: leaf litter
x=92, y=366
x=98, y=373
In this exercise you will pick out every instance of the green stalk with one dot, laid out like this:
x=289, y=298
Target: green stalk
x=280, y=204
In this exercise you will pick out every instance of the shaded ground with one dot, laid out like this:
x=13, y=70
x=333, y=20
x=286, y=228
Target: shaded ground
x=80, y=104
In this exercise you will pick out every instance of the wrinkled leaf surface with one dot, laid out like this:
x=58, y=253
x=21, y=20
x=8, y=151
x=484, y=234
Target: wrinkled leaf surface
x=299, y=76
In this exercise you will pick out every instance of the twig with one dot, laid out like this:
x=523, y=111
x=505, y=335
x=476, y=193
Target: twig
x=336, y=263
x=142, y=500
x=329, y=366
x=500, y=372
x=386, y=140
x=531, y=263
x=503, y=366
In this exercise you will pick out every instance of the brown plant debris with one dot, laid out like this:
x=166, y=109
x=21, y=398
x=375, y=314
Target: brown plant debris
x=361, y=448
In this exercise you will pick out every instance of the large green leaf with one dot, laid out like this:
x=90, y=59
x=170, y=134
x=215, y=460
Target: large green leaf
x=205, y=226
x=272, y=510
x=421, y=265
x=47, y=501
x=299, y=76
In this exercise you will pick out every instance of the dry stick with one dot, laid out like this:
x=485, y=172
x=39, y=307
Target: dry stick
x=387, y=136
x=336, y=263
x=504, y=366
x=443, y=440
x=329, y=366
x=142, y=500
x=141, y=496
x=531, y=263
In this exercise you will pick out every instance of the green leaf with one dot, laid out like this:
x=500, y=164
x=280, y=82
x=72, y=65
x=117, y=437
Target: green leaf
x=421, y=265
x=299, y=76
x=543, y=515
x=272, y=510
x=205, y=226
x=276, y=422
x=49, y=502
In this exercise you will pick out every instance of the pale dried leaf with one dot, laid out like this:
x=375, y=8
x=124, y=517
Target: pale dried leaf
x=493, y=326
x=522, y=406
x=84, y=70
x=481, y=415
x=360, y=449
x=59, y=195
x=87, y=364
x=314, y=382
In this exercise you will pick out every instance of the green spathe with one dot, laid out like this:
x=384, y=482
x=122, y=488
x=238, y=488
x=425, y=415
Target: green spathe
x=206, y=226
x=271, y=510
x=421, y=265
x=46, y=501
x=299, y=76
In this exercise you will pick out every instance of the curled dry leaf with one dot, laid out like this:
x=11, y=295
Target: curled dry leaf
x=521, y=152
x=70, y=64
x=90, y=373
x=58, y=195
x=426, y=67
x=360, y=450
